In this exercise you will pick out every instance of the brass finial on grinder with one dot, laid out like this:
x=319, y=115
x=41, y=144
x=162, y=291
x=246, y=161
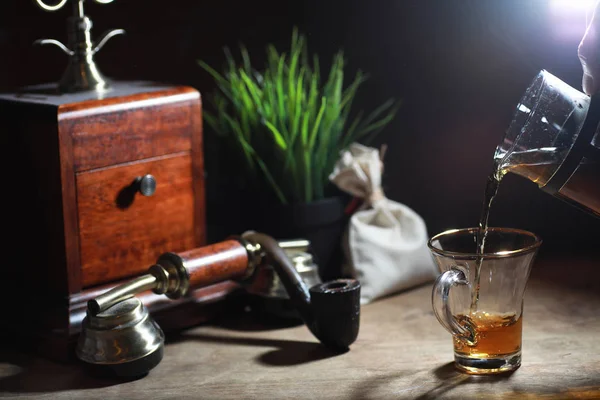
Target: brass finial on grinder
x=81, y=73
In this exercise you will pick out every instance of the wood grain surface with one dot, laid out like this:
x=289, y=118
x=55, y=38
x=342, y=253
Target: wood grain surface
x=114, y=131
x=401, y=353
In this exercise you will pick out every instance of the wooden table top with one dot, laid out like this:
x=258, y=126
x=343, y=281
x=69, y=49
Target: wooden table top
x=401, y=353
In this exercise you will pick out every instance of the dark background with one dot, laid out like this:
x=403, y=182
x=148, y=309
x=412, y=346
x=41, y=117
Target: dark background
x=460, y=67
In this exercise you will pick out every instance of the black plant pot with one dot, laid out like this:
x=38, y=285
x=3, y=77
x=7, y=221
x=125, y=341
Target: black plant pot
x=234, y=206
x=322, y=222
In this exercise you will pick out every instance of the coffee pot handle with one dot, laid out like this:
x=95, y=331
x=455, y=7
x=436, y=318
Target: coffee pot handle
x=439, y=299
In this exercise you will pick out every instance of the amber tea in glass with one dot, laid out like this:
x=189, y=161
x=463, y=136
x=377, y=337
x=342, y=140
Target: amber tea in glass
x=495, y=334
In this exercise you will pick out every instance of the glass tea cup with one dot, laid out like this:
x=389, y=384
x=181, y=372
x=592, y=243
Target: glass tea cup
x=485, y=320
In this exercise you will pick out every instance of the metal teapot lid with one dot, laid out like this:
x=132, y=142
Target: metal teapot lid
x=303, y=261
x=81, y=73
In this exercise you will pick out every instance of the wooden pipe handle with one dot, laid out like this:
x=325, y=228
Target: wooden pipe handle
x=215, y=263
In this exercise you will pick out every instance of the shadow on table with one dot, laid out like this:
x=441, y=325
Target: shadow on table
x=286, y=352
x=447, y=378
x=450, y=378
x=25, y=373
x=251, y=321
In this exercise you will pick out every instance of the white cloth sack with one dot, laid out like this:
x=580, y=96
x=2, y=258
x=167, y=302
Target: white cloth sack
x=385, y=244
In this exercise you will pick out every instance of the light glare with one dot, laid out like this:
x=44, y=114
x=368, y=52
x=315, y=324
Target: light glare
x=569, y=18
x=572, y=6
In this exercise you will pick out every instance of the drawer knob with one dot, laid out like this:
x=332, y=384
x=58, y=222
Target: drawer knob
x=146, y=185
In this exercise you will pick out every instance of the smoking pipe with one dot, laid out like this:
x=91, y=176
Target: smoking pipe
x=119, y=335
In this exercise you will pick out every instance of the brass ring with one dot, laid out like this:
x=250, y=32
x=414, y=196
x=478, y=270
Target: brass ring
x=52, y=8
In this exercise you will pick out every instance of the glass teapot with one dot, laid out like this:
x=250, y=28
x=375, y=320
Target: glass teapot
x=554, y=141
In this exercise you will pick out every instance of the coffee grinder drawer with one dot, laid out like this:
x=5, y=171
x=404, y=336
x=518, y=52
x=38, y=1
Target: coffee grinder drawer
x=131, y=213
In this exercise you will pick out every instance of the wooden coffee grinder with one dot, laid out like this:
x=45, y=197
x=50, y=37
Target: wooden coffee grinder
x=101, y=178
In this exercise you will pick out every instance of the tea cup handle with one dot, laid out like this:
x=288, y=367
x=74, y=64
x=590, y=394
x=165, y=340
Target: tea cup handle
x=439, y=300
